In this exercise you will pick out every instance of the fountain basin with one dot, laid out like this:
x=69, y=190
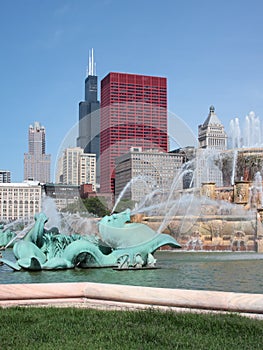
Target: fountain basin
x=130, y=297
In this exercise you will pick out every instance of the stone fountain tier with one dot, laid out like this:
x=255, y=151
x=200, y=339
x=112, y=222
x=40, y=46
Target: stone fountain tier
x=134, y=246
x=212, y=232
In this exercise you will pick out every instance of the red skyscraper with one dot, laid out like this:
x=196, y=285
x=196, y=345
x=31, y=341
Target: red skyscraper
x=133, y=114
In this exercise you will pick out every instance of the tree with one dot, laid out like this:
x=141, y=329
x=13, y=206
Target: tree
x=95, y=206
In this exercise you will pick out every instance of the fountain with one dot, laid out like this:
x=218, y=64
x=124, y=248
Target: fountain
x=198, y=220
x=133, y=181
x=235, y=133
x=193, y=218
x=204, y=219
x=248, y=136
x=120, y=245
x=234, y=167
x=50, y=209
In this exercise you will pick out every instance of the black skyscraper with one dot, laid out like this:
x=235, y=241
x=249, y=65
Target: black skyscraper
x=89, y=115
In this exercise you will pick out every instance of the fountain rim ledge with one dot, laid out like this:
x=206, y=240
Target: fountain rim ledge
x=39, y=294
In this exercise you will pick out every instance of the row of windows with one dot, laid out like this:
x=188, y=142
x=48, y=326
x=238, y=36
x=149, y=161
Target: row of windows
x=19, y=208
x=20, y=190
x=19, y=195
x=20, y=202
x=138, y=86
x=137, y=92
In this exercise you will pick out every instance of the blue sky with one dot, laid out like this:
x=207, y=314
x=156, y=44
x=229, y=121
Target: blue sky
x=210, y=51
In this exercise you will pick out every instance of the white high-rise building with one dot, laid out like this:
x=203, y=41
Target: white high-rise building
x=78, y=167
x=36, y=161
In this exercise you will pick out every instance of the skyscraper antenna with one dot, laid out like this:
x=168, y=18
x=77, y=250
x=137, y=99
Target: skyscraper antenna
x=92, y=65
x=92, y=62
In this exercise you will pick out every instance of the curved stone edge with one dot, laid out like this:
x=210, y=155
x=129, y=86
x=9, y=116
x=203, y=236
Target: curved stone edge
x=123, y=296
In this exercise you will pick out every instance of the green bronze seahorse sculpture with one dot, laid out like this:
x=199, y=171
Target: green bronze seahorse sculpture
x=122, y=245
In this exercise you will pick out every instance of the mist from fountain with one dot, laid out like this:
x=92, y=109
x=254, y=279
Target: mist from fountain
x=21, y=234
x=188, y=208
x=74, y=223
x=250, y=135
x=134, y=180
x=208, y=167
x=146, y=201
x=173, y=201
x=257, y=183
x=170, y=209
x=67, y=223
x=235, y=132
x=13, y=224
x=50, y=209
x=235, y=154
x=150, y=208
x=177, y=183
x=257, y=191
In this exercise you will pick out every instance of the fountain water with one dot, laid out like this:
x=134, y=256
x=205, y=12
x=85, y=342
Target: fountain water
x=133, y=181
x=248, y=136
x=235, y=132
x=20, y=234
x=50, y=209
x=256, y=191
x=129, y=245
x=252, y=135
x=235, y=153
x=195, y=242
x=147, y=201
x=12, y=224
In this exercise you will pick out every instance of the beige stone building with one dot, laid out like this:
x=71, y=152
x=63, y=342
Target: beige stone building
x=145, y=171
x=19, y=200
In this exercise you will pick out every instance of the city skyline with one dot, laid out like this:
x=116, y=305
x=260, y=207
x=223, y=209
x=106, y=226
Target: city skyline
x=210, y=54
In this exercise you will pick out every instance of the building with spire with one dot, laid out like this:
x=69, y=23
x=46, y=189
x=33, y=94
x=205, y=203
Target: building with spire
x=212, y=142
x=89, y=114
x=36, y=161
x=211, y=134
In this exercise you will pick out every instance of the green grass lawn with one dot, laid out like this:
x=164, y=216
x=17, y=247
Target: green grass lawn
x=72, y=328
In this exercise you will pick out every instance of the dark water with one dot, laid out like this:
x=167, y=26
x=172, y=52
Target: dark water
x=232, y=272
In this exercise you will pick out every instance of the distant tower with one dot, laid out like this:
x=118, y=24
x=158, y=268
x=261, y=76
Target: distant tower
x=89, y=114
x=36, y=161
x=212, y=134
x=212, y=141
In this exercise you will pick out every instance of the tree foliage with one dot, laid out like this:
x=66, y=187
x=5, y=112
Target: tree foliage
x=95, y=206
